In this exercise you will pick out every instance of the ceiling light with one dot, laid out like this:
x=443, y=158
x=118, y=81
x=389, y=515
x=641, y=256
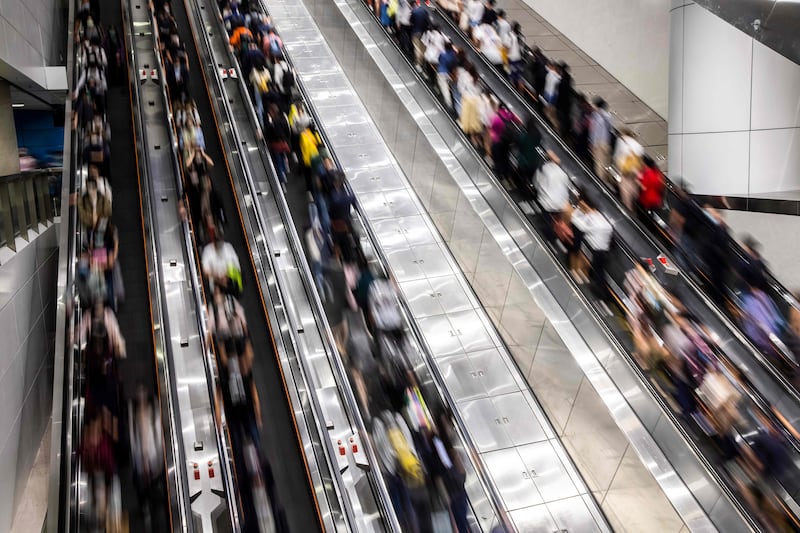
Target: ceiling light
x=17, y=106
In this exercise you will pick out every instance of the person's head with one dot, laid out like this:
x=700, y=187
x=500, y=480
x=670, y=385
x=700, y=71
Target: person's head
x=599, y=103
x=648, y=161
x=586, y=203
x=563, y=67
x=516, y=27
x=551, y=155
x=273, y=110
x=531, y=124
x=94, y=172
x=751, y=244
x=501, y=13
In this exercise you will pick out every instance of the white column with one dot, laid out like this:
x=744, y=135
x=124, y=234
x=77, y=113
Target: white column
x=734, y=110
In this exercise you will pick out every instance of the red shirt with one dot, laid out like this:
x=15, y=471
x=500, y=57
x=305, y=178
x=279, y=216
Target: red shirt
x=652, y=191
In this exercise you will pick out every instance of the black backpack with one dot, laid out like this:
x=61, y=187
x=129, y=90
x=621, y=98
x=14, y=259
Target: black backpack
x=509, y=133
x=288, y=80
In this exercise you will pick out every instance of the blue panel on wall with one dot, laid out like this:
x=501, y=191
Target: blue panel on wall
x=35, y=131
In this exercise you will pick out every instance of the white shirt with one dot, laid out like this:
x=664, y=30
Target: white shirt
x=551, y=84
x=597, y=230
x=403, y=15
x=553, y=185
x=490, y=44
x=503, y=29
x=511, y=42
x=625, y=147
x=466, y=84
x=216, y=261
x=434, y=46
x=475, y=10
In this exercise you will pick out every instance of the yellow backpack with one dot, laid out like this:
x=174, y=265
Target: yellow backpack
x=408, y=465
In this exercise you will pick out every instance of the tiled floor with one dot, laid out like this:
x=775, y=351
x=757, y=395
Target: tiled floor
x=593, y=80
x=32, y=507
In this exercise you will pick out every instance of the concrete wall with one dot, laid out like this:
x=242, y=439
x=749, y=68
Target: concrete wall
x=27, y=333
x=734, y=112
x=779, y=248
x=33, y=37
x=629, y=38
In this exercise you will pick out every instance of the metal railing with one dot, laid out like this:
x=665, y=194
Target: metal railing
x=27, y=201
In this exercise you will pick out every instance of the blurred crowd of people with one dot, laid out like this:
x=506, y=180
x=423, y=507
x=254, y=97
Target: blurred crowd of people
x=424, y=472
x=735, y=276
x=107, y=444
x=236, y=391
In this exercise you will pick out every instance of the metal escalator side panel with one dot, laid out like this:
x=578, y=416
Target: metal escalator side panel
x=62, y=424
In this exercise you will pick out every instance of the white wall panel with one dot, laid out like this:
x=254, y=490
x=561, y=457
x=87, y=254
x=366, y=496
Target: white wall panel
x=675, y=119
x=776, y=90
x=715, y=162
x=716, y=74
x=629, y=38
x=774, y=161
x=675, y=156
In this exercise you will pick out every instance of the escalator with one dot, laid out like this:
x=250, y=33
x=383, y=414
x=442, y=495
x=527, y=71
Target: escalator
x=281, y=442
x=155, y=507
x=651, y=239
x=776, y=401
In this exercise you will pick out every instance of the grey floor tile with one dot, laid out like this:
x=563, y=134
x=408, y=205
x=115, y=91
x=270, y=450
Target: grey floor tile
x=570, y=57
x=587, y=74
x=651, y=133
x=613, y=93
x=548, y=43
x=633, y=112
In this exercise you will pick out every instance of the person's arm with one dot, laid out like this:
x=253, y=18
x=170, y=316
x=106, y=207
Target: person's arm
x=207, y=158
x=112, y=258
x=256, y=404
x=190, y=158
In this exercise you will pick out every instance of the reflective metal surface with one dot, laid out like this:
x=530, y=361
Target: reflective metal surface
x=505, y=420
x=198, y=440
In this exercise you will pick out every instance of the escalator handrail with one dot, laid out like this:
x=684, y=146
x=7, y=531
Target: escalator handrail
x=725, y=320
x=318, y=417
x=209, y=362
x=334, y=356
x=65, y=461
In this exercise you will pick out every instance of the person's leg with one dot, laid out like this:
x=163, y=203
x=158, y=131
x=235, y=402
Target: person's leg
x=598, y=271
x=444, y=87
x=599, y=161
x=259, y=100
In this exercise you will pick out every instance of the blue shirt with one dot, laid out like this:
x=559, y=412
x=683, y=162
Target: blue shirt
x=447, y=62
x=419, y=19
x=600, y=128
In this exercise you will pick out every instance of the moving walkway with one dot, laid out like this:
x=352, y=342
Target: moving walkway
x=141, y=321
x=518, y=227
x=652, y=239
